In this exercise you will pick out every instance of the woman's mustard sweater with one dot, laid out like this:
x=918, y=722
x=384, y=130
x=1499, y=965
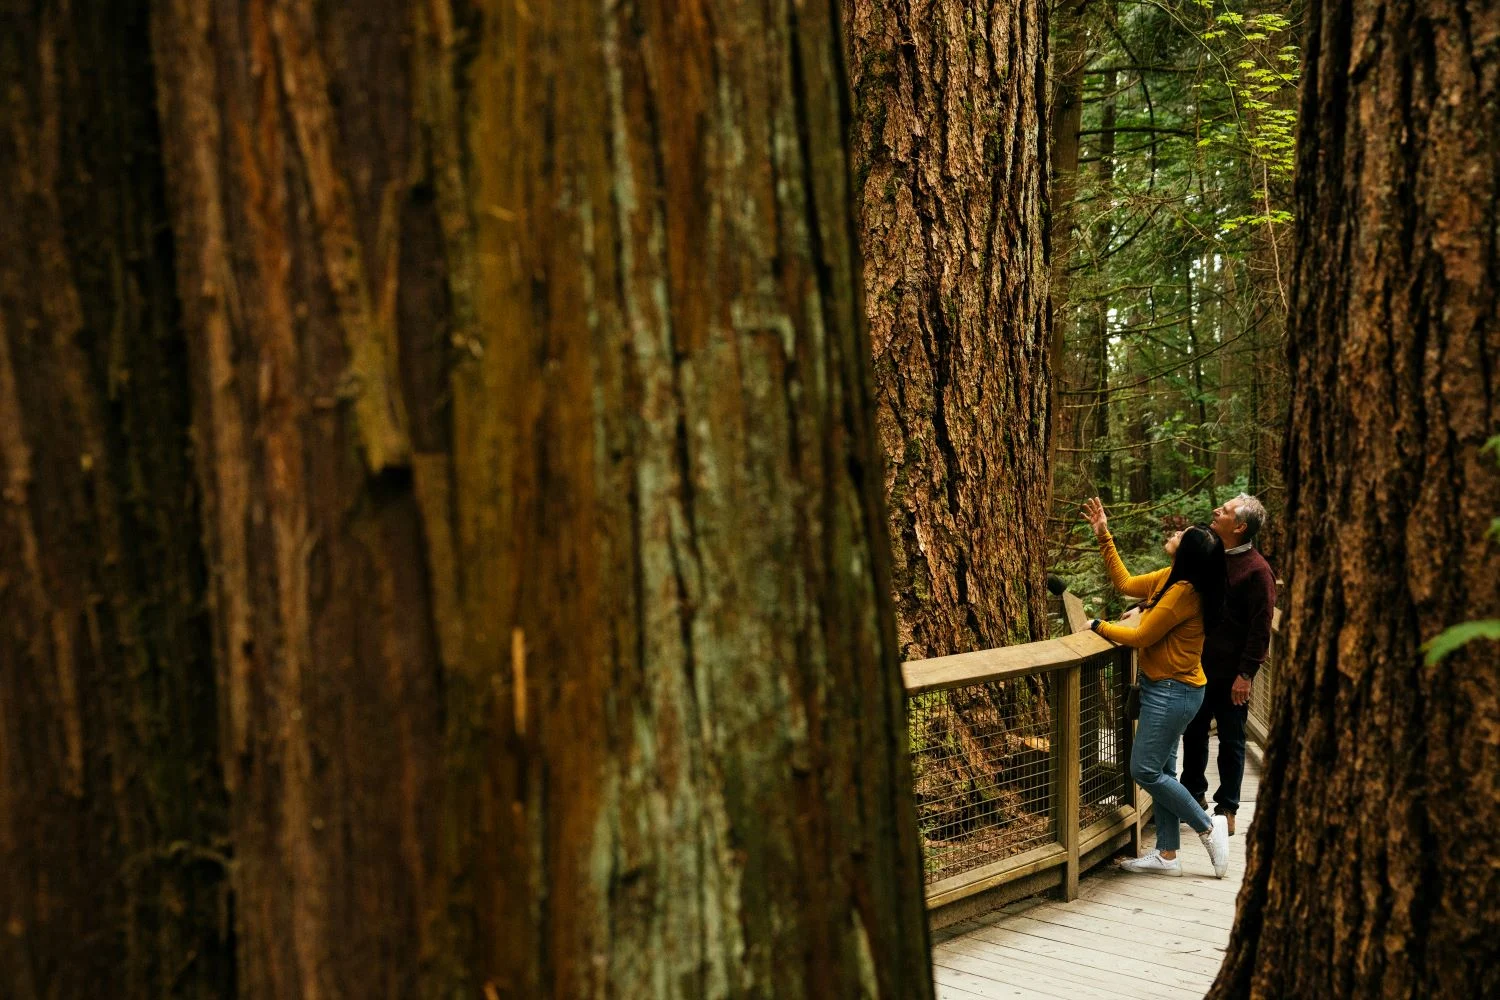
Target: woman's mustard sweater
x=1169, y=633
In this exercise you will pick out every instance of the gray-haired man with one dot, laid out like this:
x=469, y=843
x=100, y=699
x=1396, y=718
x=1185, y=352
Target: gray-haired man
x=1232, y=654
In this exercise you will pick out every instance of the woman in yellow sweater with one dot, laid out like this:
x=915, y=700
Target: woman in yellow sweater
x=1180, y=601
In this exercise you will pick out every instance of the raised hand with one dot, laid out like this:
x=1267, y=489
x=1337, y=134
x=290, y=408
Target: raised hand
x=1093, y=513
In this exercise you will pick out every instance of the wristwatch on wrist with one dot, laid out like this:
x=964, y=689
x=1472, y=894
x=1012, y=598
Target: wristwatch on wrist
x=1245, y=675
x=1094, y=624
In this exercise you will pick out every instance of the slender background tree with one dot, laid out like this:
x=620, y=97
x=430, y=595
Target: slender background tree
x=1172, y=251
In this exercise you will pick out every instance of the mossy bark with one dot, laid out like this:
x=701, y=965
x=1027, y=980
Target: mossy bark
x=535, y=639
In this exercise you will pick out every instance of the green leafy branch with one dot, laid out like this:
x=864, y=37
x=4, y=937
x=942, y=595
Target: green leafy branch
x=1455, y=637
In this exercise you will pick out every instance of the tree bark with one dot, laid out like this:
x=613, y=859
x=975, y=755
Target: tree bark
x=1102, y=473
x=952, y=165
x=1137, y=416
x=1228, y=326
x=1069, y=60
x=544, y=552
x=113, y=818
x=1371, y=866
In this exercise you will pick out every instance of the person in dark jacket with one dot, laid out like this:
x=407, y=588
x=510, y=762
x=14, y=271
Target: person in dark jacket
x=1232, y=654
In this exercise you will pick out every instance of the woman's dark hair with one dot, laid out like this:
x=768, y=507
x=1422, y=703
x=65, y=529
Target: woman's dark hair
x=1200, y=561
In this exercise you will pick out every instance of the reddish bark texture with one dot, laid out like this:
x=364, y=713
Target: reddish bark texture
x=951, y=146
x=1371, y=864
x=113, y=824
x=535, y=638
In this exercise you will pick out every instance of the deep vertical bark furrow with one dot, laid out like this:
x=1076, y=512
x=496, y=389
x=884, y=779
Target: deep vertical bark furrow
x=952, y=154
x=1371, y=869
x=289, y=188
x=113, y=829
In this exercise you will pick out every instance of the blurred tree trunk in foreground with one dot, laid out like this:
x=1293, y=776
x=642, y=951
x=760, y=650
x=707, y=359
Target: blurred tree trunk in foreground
x=113, y=821
x=547, y=647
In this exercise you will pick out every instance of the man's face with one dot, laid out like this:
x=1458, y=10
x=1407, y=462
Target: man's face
x=1226, y=524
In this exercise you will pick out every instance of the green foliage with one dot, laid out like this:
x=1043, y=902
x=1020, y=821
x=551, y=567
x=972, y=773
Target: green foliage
x=1454, y=637
x=1252, y=93
x=1138, y=534
x=1173, y=380
x=1457, y=636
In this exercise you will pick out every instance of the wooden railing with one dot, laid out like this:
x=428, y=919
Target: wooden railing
x=1020, y=758
x=1263, y=691
x=1021, y=763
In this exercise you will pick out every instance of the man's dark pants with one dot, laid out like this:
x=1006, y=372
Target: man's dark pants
x=1217, y=706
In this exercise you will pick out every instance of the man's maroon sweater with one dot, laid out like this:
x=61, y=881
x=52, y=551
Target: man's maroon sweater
x=1239, y=644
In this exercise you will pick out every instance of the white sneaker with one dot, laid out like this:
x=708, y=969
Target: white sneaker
x=1152, y=863
x=1216, y=841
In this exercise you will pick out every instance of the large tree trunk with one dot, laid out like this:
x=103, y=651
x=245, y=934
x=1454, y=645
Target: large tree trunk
x=952, y=152
x=546, y=568
x=1372, y=870
x=112, y=807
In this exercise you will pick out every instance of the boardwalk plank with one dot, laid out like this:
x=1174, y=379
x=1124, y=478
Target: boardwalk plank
x=1022, y=977
x=1098, y=958
x=1108, y=911
x=1102, y=974
x=946, y=992
x=1219, y=919
x=1127, y=936
x=1195, y=957
x=1166, y=890
x=1170, y=936
x=991, y=989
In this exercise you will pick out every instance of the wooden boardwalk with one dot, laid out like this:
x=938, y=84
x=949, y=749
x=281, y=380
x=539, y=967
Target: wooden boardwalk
x=1126, y=936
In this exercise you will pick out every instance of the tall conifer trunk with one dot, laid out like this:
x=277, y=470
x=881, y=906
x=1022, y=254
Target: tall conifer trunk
x=951, y=147
x=1371, y=867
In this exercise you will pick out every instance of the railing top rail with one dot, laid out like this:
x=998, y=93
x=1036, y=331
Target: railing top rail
x=980, y=666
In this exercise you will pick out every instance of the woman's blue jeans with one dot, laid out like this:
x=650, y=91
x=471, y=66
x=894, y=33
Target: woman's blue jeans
x=1166, y=709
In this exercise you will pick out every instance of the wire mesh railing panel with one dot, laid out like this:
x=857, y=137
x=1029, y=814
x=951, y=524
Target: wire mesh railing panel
x=984, y=764
x=1103, y=737
x=1263, y=689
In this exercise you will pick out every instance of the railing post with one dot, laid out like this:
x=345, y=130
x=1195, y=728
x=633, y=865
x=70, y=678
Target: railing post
x=1137, y=797
x=1073, y=610
x=1069, y=832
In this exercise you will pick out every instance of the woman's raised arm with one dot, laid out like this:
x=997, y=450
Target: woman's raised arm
x=1119, y=576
